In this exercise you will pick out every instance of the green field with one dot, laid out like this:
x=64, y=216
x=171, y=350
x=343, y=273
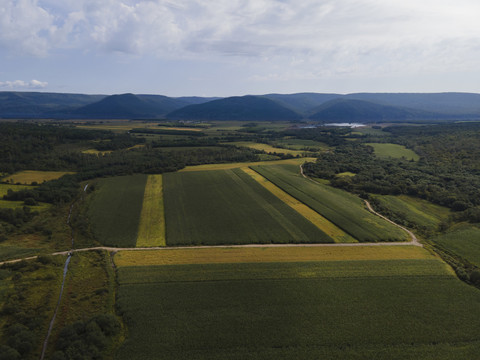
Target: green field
x=229, y=207
x=403, y=309
x=340, y=207
x=301, y=144
x=464, y=240
x=393, y=151
x=115, y=209
x=416, y=211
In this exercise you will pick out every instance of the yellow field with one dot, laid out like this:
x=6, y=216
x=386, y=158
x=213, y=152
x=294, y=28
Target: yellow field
x=337, y=234
x=151, y=231
x=29, y=176
x=96, y=152
x=206, y=167
x=267, y=148
x=267, y=254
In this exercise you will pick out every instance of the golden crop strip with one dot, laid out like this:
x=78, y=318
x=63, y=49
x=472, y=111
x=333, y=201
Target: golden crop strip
x=29, y=176
x=226, y=255
x=337, y=234
x=151, y=231
x=228, y=166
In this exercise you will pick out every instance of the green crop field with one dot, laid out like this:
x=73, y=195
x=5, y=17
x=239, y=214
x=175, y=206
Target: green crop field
x=340, y=207
x=300, y=144
x=229, y=207
x=394, y=151
x=115, y=209
x=414, y=210
x=464, y=240
x=385, y=309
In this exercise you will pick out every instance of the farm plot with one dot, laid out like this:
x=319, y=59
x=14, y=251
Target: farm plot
x=337, y=234
x=416, y=211
x=223, y=255
x=267, y=148
x=464, y=240
x=229, y=207
x=115, y=210
x=8, y=204
x=340, y=207
x=151, y=231
x=394, y=151
x=30, y=176
x=400, y=309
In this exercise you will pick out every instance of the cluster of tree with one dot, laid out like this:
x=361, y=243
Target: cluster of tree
x=18, y=216
x=121, y=141
x=447, y=174
x=86, y=339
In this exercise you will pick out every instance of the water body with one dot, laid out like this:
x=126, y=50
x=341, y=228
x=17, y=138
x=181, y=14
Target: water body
x=351, y=125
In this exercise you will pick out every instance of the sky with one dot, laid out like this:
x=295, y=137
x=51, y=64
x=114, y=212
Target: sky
x=238, y=47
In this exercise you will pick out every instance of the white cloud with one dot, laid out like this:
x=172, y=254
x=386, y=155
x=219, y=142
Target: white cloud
x=21, y=84
x=329, y=36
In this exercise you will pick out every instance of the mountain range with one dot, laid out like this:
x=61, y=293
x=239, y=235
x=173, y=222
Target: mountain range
x=324, y=108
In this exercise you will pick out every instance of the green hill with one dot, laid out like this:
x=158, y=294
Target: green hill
x=249, y=108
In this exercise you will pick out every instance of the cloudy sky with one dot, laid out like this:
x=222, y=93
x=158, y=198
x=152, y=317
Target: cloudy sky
x=237, y=47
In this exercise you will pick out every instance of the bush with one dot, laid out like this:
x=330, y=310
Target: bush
x=475, y=277
x=7, y=353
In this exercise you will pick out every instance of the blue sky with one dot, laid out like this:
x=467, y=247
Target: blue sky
x=237, y=47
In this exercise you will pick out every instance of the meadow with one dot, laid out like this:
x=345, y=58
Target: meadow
x=229, y=207
x=340, y=207
x=28, y=177
x=267, y=148
x=463, y=240
x=383, y=309
x=419, y=212
x=115, y=208
x=227, y=166
x=393, y=151
x=151, y=231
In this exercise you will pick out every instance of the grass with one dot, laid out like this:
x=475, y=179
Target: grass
x=340, y=207
x=29, y=176
x=18, y=204
x=151, y=231
x=115, y=209
x=347, y=173
x=89, y=291
x=96, y=152
x=229, y=207
x=301, y=144
x=30, y=291
x=212, y=167
x=463, y=240
x=8, y=252
x=337, y=234
x=416, y=211
x=267, y=255
x=394, y=151
x=267, y=148
x=399, y=309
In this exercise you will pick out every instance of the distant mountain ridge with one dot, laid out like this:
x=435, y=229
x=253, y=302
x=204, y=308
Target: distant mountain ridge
x=364, y=107
x=255, y=108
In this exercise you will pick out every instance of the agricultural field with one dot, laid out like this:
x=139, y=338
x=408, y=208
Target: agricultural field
x=225, y=255
x=463, y=240
x=151, y=231
x=267, y=148
x=300, y=144
x=340, y=207
x=208, y=207
x=227, y=166
x=28, y=177
x=421, y=213
x=394, y=151
x=341, y=309
x=115, y=208
x=337, y=234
